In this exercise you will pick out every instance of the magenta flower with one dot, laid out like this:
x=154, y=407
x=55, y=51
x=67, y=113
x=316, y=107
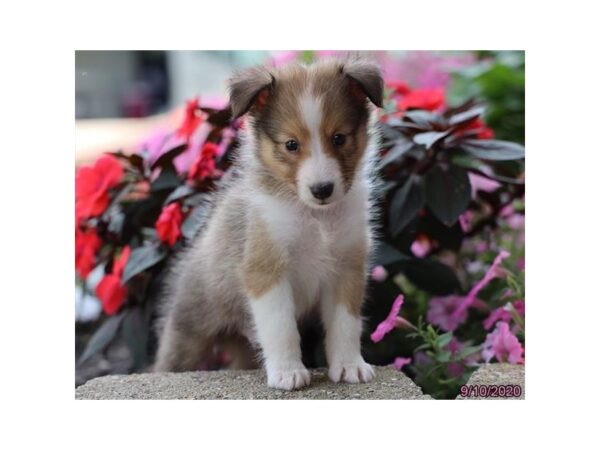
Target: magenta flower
x=465, y=220
x=390, y=321
x=379, y=274
x=472, y=295
x=441, y=312
x=496, y=315
x=421, y=246
x=502, y=345
x=480, y=183
x=400, y=362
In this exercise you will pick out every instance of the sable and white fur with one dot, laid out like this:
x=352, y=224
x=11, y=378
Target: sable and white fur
x=271, y=252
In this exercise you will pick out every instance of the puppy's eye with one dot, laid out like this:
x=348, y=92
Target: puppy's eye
x=338, y=139
x=291, y=145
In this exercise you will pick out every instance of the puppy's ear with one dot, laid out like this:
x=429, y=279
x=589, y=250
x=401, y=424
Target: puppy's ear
x=367, y=77
x=249, y=88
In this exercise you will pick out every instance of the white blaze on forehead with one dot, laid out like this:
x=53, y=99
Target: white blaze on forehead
x=310, y=107
x=319, y=167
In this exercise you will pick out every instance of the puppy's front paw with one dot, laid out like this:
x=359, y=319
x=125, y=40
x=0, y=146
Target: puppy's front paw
x=351, y=372
x=288, y=378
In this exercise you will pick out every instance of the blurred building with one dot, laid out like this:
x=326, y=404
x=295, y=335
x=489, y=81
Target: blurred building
x=143, y=83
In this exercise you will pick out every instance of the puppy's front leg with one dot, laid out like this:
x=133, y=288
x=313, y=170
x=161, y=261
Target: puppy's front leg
x=340, y=308
x=277, y=332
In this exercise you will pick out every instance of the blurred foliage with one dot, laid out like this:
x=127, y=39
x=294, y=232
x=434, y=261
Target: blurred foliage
x=498, y=79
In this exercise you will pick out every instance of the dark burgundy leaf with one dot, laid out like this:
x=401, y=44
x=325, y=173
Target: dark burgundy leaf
x=405, y=205
x=387, y=254
x=493, y=150
x=400, y=148
x=466, y=116
x=432, y=276
x=166, y=159
x=430, y=138
x=143, y=258
x=181, y=192
x=135, y=333
x=134, y=160
x=194, y=222
x=448, y=192
x=102, y=337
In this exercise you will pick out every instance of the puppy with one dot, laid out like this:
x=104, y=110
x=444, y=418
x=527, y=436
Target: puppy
x=290, y=234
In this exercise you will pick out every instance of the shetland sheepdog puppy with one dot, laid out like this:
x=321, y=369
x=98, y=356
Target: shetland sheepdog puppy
x=289, y=234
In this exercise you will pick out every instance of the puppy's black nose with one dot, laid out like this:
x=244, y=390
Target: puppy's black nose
x=322, y=191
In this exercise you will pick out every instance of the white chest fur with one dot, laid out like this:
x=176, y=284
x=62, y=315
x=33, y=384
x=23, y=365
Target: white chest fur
x=314, y=240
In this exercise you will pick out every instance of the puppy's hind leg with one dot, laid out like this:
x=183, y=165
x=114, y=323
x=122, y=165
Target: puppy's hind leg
x=181, y=348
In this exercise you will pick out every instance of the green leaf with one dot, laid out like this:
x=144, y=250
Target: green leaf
x=493, y=150
x=443, y=339
x=102, y=337
x=135, y=333
x=166, y=159
x=421, y=347
x=448, y=192
x=405, y=205
x=443, y=357
x=387, y=254
x=193, y=222
x=467, y=351
x=142, y=258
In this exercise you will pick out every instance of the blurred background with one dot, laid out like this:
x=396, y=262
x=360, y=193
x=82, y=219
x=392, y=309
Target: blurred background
x=140, y=88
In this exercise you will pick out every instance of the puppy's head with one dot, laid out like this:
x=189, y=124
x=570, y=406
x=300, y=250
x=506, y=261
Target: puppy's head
x=310, y=124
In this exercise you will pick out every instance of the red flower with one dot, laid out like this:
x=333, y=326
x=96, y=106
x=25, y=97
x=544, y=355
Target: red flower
x=398, y=87
x=92, y=184
x=476, y=125
x=168, y=225
x=205, y=165
x=87, y=243
x=191, y=121
x=430, y=99
x=110, y=291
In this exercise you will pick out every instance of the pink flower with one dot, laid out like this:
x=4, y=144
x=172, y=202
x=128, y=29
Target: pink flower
x=502, y=345
x=282, y=58
x=480, y=183
x=400, y=362
x=441, y=312
x=379, y=274
x=519, y=306
x=465, y=220
x=421, y=246
x=472, y=295
x=497, y=314
x=390, y=322
x=516, y=221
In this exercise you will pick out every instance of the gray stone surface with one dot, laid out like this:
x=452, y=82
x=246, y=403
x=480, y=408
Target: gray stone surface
x=250, y=384
x=492, y=376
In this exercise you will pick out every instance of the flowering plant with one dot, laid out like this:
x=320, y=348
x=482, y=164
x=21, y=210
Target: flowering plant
x=447, y=290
